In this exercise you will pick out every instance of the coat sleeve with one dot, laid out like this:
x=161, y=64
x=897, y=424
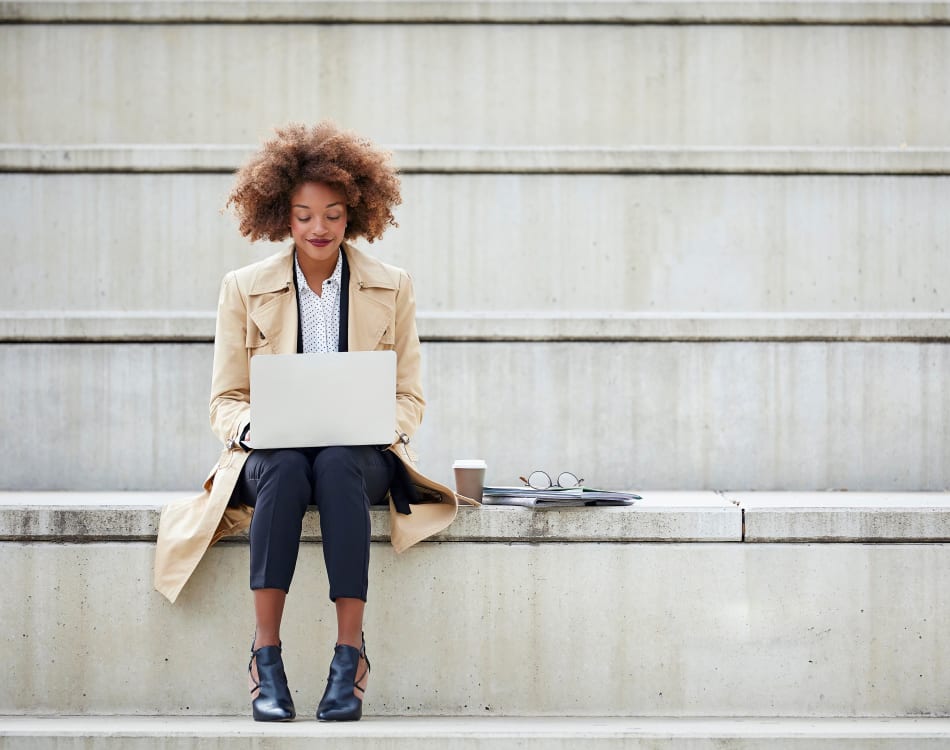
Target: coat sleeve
x=230, y=377
x=409, y=400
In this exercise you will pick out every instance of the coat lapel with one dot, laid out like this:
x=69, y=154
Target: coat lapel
x=372, y=298
x=272, y=305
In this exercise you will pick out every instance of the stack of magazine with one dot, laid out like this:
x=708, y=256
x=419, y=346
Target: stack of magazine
x=555, y=497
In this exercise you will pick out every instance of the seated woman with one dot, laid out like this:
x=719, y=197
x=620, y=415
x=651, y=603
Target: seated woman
x=319, y=186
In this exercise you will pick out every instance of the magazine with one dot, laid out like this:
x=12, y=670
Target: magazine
x=555, y=497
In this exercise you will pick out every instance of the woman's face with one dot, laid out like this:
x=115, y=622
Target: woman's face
x=317, y=220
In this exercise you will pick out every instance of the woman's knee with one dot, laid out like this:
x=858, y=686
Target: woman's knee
x=284, y=463
x=340, y=458
x=284, y=477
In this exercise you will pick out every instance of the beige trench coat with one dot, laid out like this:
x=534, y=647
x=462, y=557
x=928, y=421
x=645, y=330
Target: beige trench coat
x=257, y=314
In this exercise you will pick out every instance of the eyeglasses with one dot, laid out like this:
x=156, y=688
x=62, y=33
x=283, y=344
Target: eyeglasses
x=541, y=480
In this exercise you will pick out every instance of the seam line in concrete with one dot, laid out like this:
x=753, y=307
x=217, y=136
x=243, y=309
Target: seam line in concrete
x=553, y=12
x=171, y=341
x=170, y=327
x=645, y=161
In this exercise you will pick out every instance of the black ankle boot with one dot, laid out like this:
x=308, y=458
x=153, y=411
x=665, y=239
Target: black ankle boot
x=339, y=702
x=273, y=702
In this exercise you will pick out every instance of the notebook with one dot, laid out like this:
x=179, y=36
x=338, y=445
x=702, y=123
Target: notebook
x=330, y=398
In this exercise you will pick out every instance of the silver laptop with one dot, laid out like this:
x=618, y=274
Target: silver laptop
x=315, y=400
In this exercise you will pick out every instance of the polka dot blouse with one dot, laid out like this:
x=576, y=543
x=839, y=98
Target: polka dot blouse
x=320, y=313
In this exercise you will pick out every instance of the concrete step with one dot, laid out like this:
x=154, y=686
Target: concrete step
x=57, y=326
x=654, y=611
x=728, y=243
x=413, y=733
x=660, y=516
x=837, y=12
x=215, y=158
x=699, y=413
x=584, y=83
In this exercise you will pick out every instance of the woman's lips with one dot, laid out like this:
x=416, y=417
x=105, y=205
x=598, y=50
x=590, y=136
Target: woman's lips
x=319, y=243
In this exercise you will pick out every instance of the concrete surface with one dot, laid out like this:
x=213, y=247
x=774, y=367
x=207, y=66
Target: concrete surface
x=676, y=629
x=578, y=84
x=97, y=416
x=211, y=157
x=659, y=516
x=463, y=733
x=838, y=516
x=57, y=326
x=539, y=243
x=680, y=415
x=132, y=516
x=722, y=628
x=469, y=11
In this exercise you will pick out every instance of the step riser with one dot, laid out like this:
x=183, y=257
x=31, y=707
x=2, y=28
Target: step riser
x=654, y=415
x=583, y=84
x=546, y=629
x=616, y=243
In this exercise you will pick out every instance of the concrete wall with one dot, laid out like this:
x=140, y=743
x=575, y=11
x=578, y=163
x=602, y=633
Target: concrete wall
x=678, y=415
x=678, y=244
x=651, y=630
x=558, y=243
x=479, y=83
x=822, y=204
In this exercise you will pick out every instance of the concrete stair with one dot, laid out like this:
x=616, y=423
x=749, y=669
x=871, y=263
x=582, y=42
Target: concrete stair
x=850, y=414
x=757, y=75
x=803, y=315
x=835, y=230
x=689, y=604
x=784, y=620
x=759, y=275
x=673, y=245
x=456, y=733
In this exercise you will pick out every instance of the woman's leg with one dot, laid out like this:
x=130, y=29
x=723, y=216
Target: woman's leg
x=349, y=631
x=349, y=620
x=347, y=480
x=268, y=612
x=278, y=484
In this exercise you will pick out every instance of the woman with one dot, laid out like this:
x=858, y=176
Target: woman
x=319, y=186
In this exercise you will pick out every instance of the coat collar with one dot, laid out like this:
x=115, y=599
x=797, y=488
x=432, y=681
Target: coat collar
x=275, y=273
x=371, y=300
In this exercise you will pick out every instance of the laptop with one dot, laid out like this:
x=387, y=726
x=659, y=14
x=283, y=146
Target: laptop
x=329, y=398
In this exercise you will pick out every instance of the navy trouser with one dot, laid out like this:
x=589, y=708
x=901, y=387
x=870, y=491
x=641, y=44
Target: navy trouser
x=342, y=481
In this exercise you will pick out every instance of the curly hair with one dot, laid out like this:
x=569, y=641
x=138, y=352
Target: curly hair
x=321, y=153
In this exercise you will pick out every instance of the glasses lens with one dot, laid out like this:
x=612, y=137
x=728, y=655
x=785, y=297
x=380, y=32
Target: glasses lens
x=567, y=479
x=539, y=480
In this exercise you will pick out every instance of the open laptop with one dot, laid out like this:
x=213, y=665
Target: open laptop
x=315, y=400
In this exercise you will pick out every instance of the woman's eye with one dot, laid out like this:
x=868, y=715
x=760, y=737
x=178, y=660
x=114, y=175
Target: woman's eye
x=333, y=218
x=303, y=218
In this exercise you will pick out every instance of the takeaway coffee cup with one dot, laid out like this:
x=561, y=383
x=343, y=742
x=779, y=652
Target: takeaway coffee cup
x=470, y=477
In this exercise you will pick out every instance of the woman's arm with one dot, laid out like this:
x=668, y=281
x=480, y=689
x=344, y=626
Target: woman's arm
x=230, y=377
x=409, y=400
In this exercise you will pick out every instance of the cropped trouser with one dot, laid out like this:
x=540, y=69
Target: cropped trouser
x=342, y=482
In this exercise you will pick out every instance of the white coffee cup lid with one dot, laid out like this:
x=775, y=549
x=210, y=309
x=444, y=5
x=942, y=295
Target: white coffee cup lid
x=470, y=463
